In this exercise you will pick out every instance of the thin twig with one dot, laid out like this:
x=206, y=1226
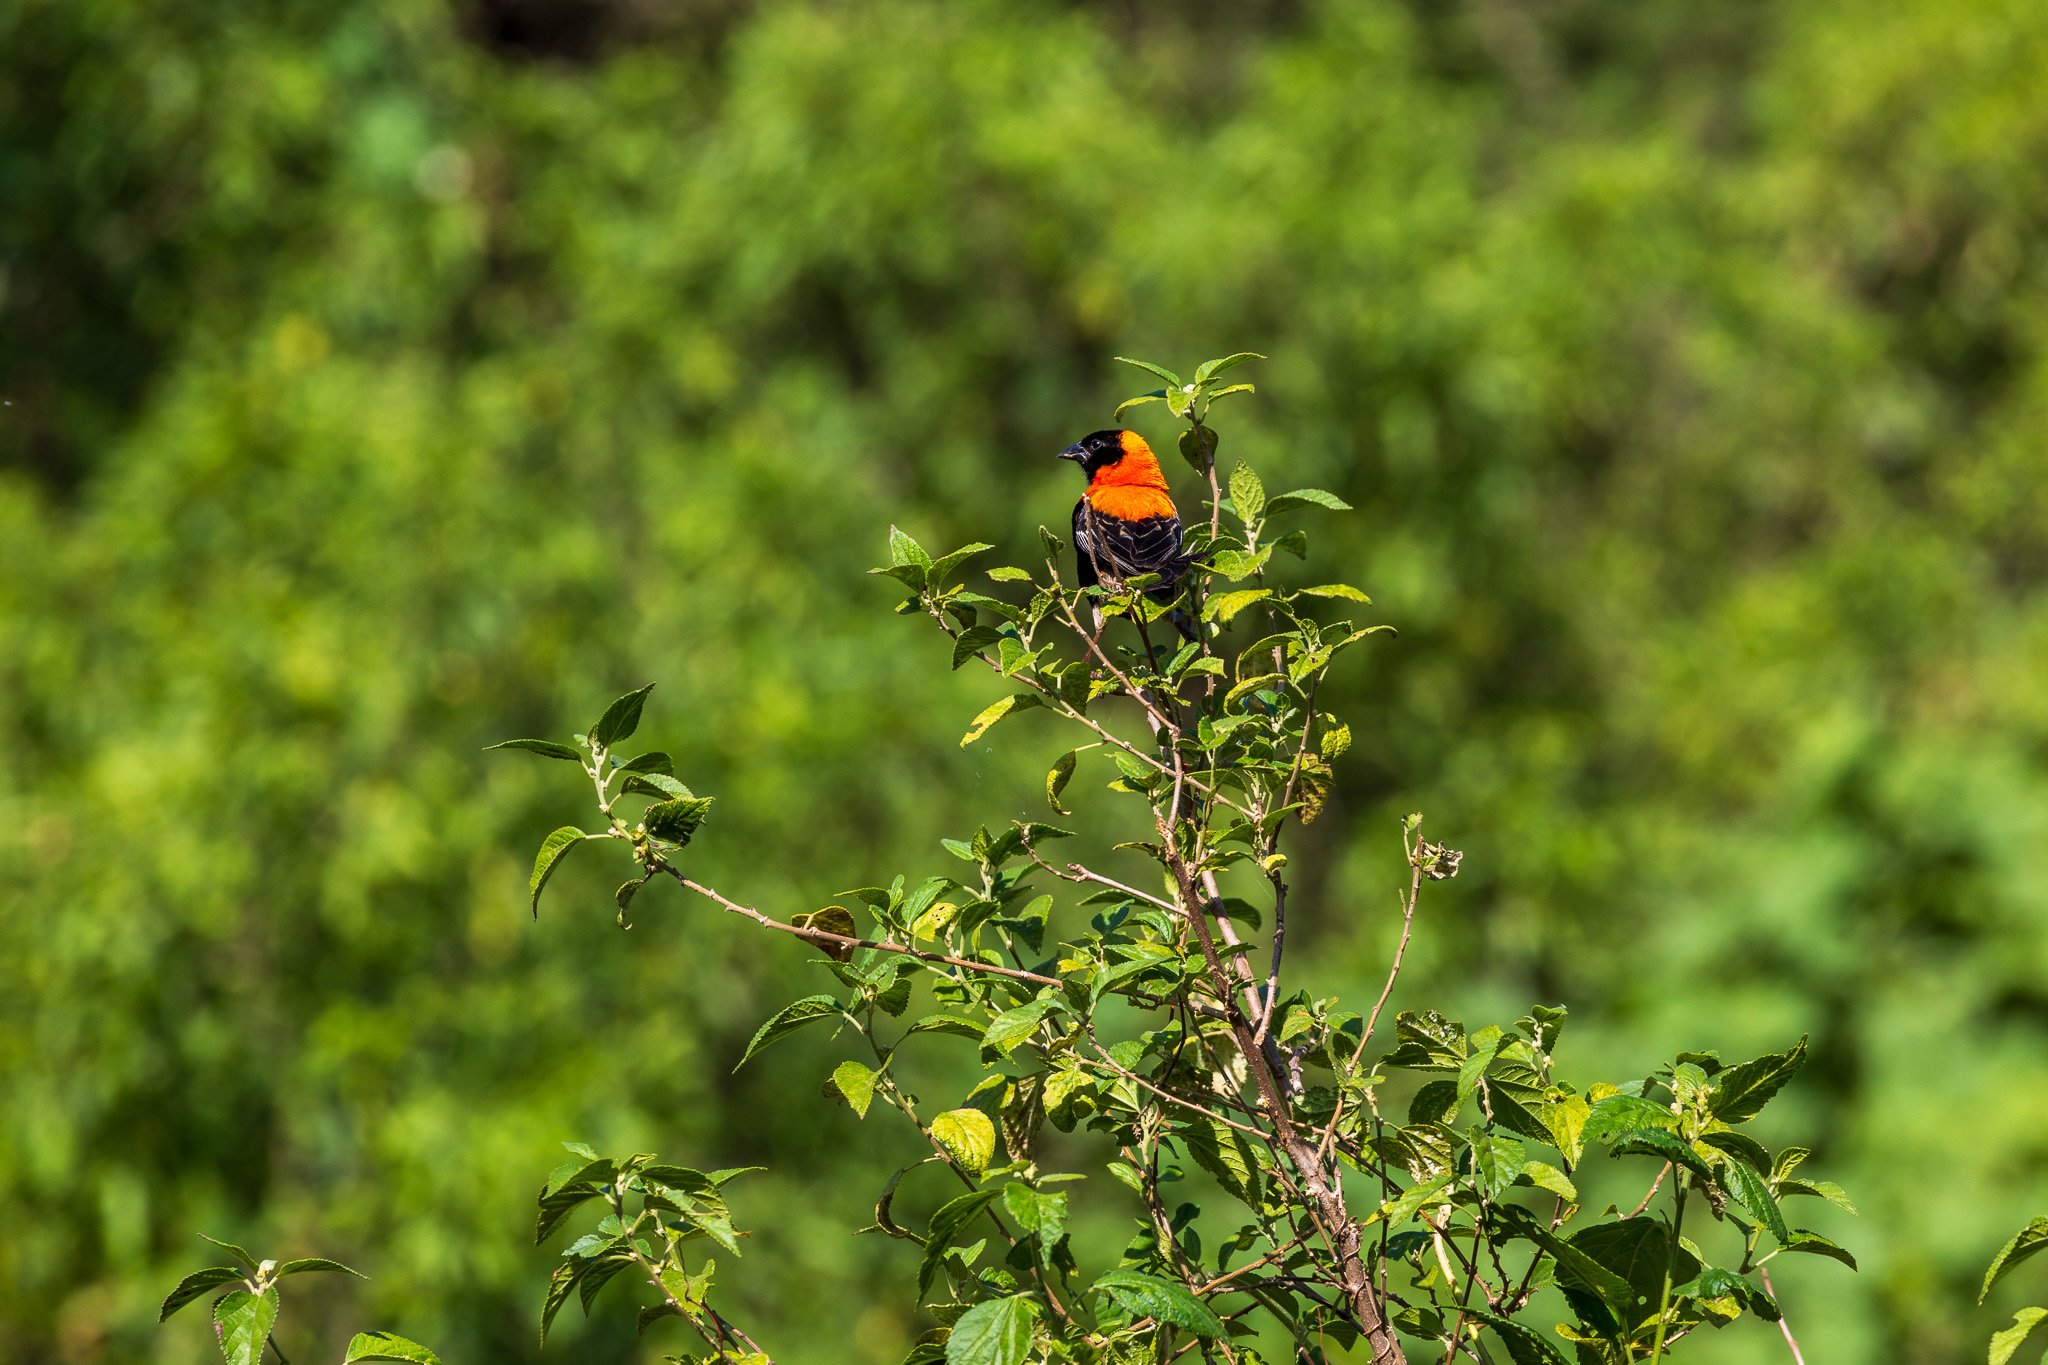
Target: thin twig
x=1784, y=1323
x=824, y=937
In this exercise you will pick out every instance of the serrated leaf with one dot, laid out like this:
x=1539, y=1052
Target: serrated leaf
x=1223, y=1152
x=1056, y=780
x=1544, y=1176
x=995, y=1332
x=1157, y=372
x=1021, y=701
x=1343, y=590
x=248, y=1262
x=1616, y=1116
x=676, y=820
x=1740, y=1091
x=947, y=1221
x=952, y=559
x=1526, y=1346
x=856, y=1085
x=903, y=550
x=1209, y=369
x=2027, y=1243
x=1813, y=1244
x=1247, y=494
x=1013, y=1026
x=1399, y=1210
x=242, y=1322
x=546, y=748
x=1138, y=402
x=1036, y=1211
x=552, y=850
x=1223, y=606
x=657, y=785
x=968, y=1137
x=1663, y=1145
x=2005, y=1343
x=1306, y=497
x=1148, y=1296
x=788, y=1020
x=305, y=1264
x=1748, y=1189
x=195, y=1286
x=387, y=1346
x=621, y=718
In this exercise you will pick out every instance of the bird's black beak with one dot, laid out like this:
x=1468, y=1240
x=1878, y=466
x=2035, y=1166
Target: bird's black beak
x=1074, y=452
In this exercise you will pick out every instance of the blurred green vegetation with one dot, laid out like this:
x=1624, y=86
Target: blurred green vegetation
x=386, y=379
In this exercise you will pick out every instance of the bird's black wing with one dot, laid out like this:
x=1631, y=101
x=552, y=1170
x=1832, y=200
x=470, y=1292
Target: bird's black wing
x=1128, y=547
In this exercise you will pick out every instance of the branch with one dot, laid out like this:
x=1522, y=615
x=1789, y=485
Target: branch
x=1784, y=1323
x=825, y=937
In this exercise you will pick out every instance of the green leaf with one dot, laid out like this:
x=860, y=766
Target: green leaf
x=1664, y=1146
x=248, y=1261
x=947, y=1221
x=387, y=1346
x=1223, y=606
x=1021, y=701
x=997, y=1332
x=657, y=785
x=856, y=1085
x=1306, y=497
x=946, y=1023
x=968, y=1137
x=1247, y=494
x=620, y=719
x=1544, y=1176
x=1036, y=1211
x=1740, y=1091
x=1575, y=1267
x=952, y=560
x=1397, y=1211
x=1748, y=1189
x=552, y=850
x=788, y=1020
x=1009, y=574
x=677, y=820
x=2005, y=1343
x=1223, y=1152
x=1343, y=590
x=195, y=1286
x=1485, y=1047
x=1236, y=564
x=903, y=550
x=1209, y=369
x=1525, y=1345
x=1717, y=1282
x=2028, y=1242
x=243, y=1321
x=1149, y=368
x=1496, y=1160
x=545, y=747
x=1013, y=1026
x=1619, y=1115
x=1139, y=401
x=1638, y=1252
x=305, y=1264
x=1813, y=1244
x=1056, y=780
x=1148, y=1296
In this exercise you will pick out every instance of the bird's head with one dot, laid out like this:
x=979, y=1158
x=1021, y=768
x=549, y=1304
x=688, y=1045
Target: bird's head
x=1118, y=456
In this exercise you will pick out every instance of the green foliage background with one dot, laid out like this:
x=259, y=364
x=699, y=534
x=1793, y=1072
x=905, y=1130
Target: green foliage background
x=386, y=379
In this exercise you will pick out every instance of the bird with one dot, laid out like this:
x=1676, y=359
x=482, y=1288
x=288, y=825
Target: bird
x=1125, y=523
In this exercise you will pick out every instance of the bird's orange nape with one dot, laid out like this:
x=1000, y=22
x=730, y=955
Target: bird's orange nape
x=1134, y=487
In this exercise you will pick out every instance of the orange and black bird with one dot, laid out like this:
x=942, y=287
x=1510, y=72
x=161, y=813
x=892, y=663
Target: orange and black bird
x=1125, y=523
